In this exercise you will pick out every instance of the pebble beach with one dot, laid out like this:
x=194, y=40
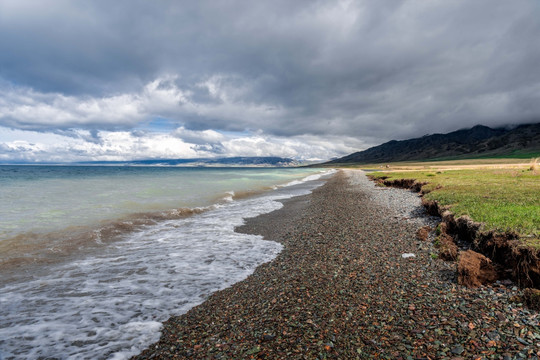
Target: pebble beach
x=352, y=282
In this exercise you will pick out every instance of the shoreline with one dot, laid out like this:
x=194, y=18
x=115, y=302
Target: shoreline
x=103, y=299
x=341, y=289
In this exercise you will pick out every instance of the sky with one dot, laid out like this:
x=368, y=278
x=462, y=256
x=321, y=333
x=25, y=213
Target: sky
x=310, y=80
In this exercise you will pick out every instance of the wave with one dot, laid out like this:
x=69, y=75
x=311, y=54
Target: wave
x=308, y=178
x=56, y=246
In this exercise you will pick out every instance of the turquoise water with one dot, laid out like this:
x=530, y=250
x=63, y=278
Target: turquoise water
x=44, y=198
x=93, y=259
x=53, y=211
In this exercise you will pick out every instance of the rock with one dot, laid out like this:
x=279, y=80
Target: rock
x=474, y=269
x=532, y=298
x=423, y=233
x=458, y=350
x=268, y=337
x=448, y=249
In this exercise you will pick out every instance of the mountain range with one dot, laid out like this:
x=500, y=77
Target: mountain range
x=477, y=142
x=247, y=161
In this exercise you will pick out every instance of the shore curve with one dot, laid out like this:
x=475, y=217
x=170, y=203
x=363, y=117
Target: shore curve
x=342, y=289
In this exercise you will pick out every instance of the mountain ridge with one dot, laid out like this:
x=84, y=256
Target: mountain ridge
x=236, y=161
x=478, y=141
x=259, y=161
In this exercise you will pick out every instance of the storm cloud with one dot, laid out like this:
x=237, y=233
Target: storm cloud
x=329, y=76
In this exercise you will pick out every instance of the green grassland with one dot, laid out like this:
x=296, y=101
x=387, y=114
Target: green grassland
x=503, y=199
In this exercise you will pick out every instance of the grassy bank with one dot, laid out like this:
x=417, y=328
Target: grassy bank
x=492, y=163
x=504, y=199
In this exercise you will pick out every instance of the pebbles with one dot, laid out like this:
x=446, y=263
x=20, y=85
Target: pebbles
x=340, y=289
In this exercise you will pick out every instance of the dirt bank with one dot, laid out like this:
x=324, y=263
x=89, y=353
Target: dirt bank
x=512, y=259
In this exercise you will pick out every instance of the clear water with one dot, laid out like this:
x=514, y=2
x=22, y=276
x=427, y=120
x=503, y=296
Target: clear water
x=95, y=258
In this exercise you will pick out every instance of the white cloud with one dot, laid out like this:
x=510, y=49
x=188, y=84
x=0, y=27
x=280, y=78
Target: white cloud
x=314, y=148
x=112, y=146
x=25, y=108
x=81, y=145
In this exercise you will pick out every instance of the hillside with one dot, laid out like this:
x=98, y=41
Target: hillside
x=479, y=141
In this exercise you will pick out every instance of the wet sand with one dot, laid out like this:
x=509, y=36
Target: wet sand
x=341, y=289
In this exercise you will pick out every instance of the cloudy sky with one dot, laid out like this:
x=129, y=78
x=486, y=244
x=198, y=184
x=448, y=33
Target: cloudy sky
x=128, y=79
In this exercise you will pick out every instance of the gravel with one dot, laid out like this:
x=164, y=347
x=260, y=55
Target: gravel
x=341, y=289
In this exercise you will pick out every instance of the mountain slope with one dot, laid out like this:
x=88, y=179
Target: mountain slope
x=478, y=141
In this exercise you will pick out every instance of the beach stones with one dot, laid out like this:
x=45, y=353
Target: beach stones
x=458, y=350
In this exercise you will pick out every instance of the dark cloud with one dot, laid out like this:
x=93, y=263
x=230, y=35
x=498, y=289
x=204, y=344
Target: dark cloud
x=373, y=70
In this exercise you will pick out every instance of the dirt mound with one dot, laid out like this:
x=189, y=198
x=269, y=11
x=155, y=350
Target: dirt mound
x=527, y=268
x=422, y=234
x=432, y=208
x=448, y=249
x=467, y=229
x=474, y=269
x=532, y=298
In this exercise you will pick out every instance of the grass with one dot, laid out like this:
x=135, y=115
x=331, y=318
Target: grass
x=504, y=199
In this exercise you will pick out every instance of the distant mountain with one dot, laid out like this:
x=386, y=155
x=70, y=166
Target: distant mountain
x=259, y=161
x=479, y=141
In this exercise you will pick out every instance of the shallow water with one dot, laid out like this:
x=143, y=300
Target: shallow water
x=48, y=213
x=108, y=301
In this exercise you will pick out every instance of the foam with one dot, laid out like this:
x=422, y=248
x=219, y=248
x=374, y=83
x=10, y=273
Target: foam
x=111, y=304
x=229, y=197
x=309, y=178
